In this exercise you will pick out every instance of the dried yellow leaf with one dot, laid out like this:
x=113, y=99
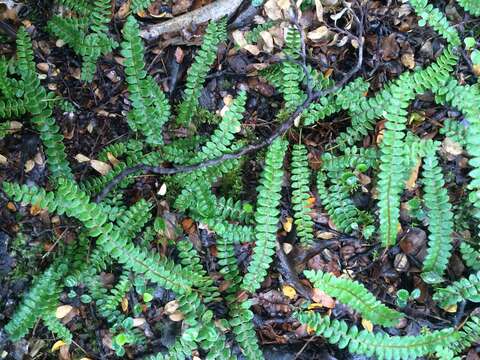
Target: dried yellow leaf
x=100, y=166
x=367, y=325
x=451, y=308
x=63, y=311
x=57, y=345
x=314, y=306
x=113, y=160
x=287, y=225
x=81, y=158
x=289, y=292
x=124, y=304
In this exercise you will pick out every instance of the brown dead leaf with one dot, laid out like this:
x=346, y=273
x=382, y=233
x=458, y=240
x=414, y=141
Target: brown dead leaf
x=29, y=165
x=320, y=33
x=64, y=353
x=408, y=60
x=124, y=304
x=100, y=166
x=267, y=41
x=273, y=11
x=176, y=316
x=252, y=49
x=323, y=298
x=412, y=180
x=239, y=38
x=171, y=307
x=113, y=160
x=319, y=10
x=390, y=48
x=81, y=158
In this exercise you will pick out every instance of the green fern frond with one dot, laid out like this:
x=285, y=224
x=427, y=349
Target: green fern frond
x=454, y=130
x=56, y=327
x=12, y=108
x=440, y=218
x=191, y=262
x=300, y=194
x=392, y=165
x=470, y=256
x=471, y=6
x=378, y=345
x=71, y=30
x=463, y=289
x=139, y=5
x=436, y=19
x=81, y=7
x=150, y=108
x=37, y=301
x=215, y=33
x=356, y=296
x=266, y=216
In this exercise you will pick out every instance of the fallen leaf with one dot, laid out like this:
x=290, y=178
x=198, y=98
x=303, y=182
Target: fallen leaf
x=163, y=190
x=367, y=325
x=100, y=166
x=239, y=38
x=289, y=292
x=451, y=147
x=124, y=304
x=113, y=160
x=283, y=4
x=320, y=33
x=267, y=41
x=252, y=49
x=325, y=235
x=314, y=306
x=81, y=158
x=272, y=10
x=35, y=210
x=287, y=248
x=138, y=322
x=323, y=298
x=29, y=165
x=390, y=48
x=408, y=60
x=179, y=55
x=176, y=316
x=412, y=180
x=287, y=224
x=451, y=308
x=170, y=307
x=3, y=160
x=57, y=345
x=319, y=10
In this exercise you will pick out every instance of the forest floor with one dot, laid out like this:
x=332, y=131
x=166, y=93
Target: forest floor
x=394, y=43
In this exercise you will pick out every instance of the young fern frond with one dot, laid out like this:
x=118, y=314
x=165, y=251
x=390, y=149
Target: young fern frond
x=356, y=296
x=266, y=216
x=216, y=32
x=470, y=256
x=300, y=194
x=463, y=289
x=150, y=108
x=471, y=6
x=440, y=218
x=378, y=345
x=437, y=20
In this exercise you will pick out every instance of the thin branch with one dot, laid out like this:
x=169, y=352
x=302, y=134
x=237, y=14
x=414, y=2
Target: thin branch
x=312, y=97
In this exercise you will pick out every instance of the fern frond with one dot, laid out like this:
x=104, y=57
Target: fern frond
x=56, y=327
x=139, y=5
x=70, y=30
x=392, y=166
x=12, y=108
x=471, y=6
x=463, y=289
x=454, y=130
x=37, y=301
x=81, y=7
x=470, y=256
x=150, y=108
x=436, y=19
x=266, y=216
x=215, y=33
x=301, y=194
x=356, y=296
x=379, y=345
x=191, y=262
x=440, y=218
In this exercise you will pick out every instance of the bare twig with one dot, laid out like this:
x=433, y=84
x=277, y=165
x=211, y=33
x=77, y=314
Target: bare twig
x=281, y=130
